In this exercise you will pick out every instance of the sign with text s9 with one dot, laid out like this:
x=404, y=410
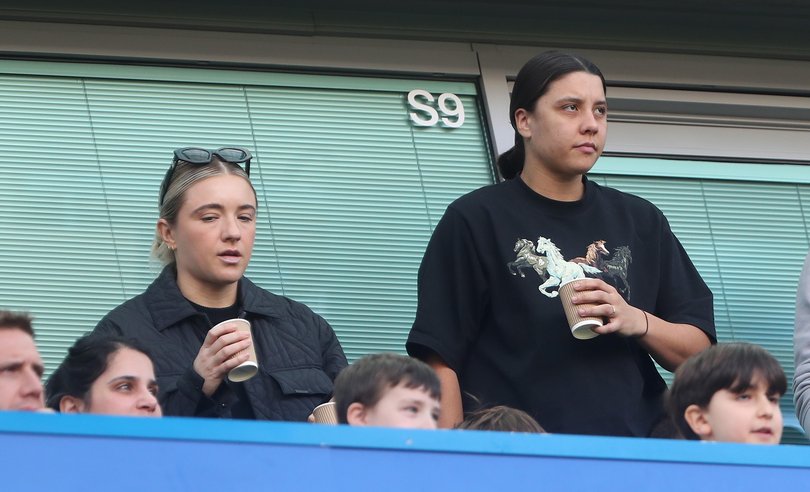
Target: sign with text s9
x=448, y=109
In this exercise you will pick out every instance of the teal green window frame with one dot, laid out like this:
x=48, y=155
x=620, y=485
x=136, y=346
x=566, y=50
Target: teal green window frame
x=746, y=226
x=349, y=191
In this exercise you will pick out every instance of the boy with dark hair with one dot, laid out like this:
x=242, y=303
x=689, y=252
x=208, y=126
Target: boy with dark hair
x=729, y=392
x=388, y=390
x=501, y=418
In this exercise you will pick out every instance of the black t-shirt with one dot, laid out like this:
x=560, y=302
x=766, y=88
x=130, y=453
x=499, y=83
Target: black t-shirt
x=481, y=310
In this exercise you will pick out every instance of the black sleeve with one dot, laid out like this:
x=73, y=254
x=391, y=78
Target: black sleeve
x=451, y=294
x=683, y=296
x=108, y=327
x=334, y=360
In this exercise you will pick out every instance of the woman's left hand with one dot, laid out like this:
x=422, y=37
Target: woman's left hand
x=620, y=317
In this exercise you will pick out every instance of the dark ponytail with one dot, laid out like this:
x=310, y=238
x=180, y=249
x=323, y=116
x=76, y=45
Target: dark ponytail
x=532, y=82
x=510, y=163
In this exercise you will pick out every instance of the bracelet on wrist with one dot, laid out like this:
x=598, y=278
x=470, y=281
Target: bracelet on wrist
x=646, y=325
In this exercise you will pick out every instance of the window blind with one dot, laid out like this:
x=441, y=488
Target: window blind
x=349, y=189
x=747, y=238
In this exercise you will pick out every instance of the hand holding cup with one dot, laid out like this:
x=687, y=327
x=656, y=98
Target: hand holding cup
x=248, y=368
x=604, y=305
x=582, y=327
x=224, y=348
x=325, y=413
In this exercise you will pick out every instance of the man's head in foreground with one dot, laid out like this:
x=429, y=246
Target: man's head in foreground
x=20, y=364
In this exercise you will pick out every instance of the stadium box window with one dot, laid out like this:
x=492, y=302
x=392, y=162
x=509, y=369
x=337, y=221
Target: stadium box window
x=745, y=228
x=349, y=187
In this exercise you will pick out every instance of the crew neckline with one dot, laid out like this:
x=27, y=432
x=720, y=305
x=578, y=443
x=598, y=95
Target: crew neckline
x=576, y=205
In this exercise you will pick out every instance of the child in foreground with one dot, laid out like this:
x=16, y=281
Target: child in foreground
x=388, y=390
x=729, y=392
x=501, y=418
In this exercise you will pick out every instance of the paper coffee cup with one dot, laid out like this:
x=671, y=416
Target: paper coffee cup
x=326, y=413
x=581, y=327
x=250, y=367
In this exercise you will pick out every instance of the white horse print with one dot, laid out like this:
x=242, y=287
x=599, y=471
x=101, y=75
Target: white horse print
x=558, y=269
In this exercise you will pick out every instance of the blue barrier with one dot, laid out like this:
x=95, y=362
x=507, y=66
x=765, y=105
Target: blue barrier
x=81, y=452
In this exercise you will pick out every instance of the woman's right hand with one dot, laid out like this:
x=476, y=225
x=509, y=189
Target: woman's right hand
x=214, y=360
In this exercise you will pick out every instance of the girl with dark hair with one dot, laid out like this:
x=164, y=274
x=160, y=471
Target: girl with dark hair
x=105, y=375
x=204, y=237
x=488, y=320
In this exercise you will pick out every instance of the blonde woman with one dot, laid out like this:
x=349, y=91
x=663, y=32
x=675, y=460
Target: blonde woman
x=205, y=236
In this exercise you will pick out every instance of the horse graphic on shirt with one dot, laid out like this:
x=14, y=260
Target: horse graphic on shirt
x=559, y=270
x=527, y=258
x=596, y=250
x=617, y=267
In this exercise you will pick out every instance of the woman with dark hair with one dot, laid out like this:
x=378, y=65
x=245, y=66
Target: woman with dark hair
x=204, y=237
x=105, y=375
x=488, y=320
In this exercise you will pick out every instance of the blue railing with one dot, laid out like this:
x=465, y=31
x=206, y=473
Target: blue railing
x=81, y=452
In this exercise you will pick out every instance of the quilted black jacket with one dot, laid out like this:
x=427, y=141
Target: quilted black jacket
x=299, y=355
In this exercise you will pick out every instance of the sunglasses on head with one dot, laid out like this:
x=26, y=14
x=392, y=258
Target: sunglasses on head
x=201, y=157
